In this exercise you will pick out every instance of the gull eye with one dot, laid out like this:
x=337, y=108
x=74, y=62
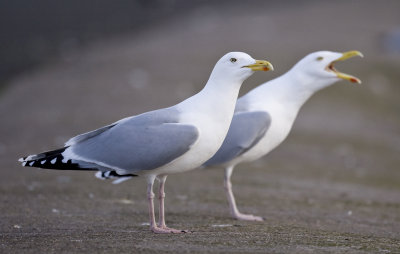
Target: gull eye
x=320, y=58
x=233, y=60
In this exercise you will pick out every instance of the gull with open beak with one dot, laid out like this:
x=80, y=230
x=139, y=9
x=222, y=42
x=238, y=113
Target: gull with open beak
x=264, y=116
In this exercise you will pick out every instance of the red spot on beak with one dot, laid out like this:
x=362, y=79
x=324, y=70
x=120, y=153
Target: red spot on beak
x=265, y=69
x=353, y=80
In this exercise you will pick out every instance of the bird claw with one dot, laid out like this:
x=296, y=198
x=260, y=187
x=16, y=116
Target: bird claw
x=248, y=217
x=167, y=230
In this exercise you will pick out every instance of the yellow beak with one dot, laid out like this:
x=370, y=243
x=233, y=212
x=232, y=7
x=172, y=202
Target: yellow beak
x=346, y=55
x=350, y=54
x=260, y=65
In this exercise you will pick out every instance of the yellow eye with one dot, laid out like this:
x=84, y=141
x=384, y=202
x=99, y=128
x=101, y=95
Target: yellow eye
x=233, y=60
x=320, y=58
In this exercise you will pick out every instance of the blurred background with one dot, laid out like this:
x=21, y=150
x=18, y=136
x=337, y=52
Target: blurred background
x=68, y=67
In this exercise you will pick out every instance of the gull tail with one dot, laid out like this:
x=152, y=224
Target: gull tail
x=56, y=160
x=53, y=160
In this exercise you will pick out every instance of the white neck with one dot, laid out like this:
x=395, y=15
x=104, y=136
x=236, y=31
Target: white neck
x=291, y=90
x=217, y=99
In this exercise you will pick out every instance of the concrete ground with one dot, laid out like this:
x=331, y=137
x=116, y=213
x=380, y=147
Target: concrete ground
x=332, y=187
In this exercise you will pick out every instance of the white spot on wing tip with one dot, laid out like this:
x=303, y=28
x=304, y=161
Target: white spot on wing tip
x=98, y=175
x=43, y=162
x=29, y=158
x=21, y=159
x=31, y=163
x=24, y=164
x=53, y=160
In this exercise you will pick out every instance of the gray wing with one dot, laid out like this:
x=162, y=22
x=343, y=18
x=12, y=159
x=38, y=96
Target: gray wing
x=87, y=135
x=143, y=142
x=246, y=129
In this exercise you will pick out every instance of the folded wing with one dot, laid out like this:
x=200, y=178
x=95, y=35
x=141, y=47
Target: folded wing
x=143, y=142
x=246, y=129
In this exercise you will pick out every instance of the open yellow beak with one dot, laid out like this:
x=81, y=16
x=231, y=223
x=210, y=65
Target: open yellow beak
x=260, y=65
x=345, y=55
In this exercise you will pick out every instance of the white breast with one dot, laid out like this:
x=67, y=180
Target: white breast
x=281, y=124
x=212, y=120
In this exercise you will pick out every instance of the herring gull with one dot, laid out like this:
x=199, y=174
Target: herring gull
x=264, y=116
x=161, y=142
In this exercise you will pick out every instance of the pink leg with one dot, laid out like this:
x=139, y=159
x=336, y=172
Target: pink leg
x=161, y=197
x=150, y=197
x=232, y=203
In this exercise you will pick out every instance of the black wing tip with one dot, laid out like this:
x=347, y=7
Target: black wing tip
x=112, y=174
x=51, y=160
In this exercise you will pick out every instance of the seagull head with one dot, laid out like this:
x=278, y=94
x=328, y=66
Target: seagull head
x=238, y=66
x=321, y=66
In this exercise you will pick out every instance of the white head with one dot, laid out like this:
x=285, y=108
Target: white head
x=235, y=67
x=318, y=68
